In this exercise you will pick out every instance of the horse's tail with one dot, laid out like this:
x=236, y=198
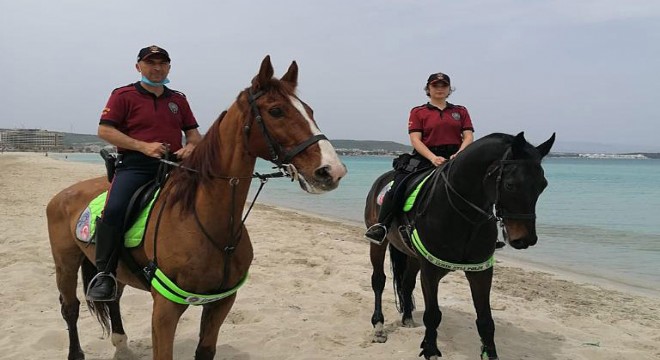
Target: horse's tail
x=98, y=308
x=399, y=262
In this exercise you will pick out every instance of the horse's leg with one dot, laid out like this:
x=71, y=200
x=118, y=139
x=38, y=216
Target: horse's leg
x=68, y=257
x=164, y=319
x=408, y=286
x=480, y=283
x=118, y=337
x=430, y=278
x=213, y=316
x=405, y=271
x=377, y=255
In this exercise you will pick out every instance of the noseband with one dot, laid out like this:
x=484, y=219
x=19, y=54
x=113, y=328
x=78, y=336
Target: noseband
x=274, y=147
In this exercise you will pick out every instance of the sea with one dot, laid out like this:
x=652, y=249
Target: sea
x=598, y=218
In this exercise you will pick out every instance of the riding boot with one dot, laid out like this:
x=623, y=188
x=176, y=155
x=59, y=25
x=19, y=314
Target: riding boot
x=103, y=287
x=376, y=233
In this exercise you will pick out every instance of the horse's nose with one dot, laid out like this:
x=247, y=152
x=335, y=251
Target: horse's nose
x=329, y=175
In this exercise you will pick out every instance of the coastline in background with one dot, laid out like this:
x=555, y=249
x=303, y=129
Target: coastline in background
x=597, y=217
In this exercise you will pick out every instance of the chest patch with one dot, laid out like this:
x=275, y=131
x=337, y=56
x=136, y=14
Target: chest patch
x=174, y=108
x=456, y=116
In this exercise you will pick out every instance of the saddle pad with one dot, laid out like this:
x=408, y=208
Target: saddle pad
x=86, y=225
x=410, y=201
x=383, y=191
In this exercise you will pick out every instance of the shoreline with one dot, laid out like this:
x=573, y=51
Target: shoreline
x=508, y=261
x=309, y=295
x=588, y=279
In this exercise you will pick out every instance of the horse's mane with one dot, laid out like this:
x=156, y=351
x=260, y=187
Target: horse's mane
x=183, y=184
x=501, y=139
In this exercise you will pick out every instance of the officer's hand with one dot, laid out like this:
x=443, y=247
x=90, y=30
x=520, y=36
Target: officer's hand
x=438, y=160
x=154, y=149
x=184, y=151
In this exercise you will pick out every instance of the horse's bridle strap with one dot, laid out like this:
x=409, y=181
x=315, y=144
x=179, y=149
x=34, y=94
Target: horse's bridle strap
x=274, y=147
x=302, y=146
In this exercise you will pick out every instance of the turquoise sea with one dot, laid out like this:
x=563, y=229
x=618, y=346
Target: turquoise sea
x=598, y=217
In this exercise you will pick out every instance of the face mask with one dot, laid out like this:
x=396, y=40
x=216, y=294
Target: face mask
x=151, y=83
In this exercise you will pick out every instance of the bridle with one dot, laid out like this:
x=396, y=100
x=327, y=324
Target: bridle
x=500, y=212
x=281, y=163
x=275, y=149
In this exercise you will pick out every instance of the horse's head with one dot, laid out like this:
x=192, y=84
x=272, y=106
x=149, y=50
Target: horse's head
x=514, y=184
x=281, y=128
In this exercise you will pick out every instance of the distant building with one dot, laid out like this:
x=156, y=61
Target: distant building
x=30, y=139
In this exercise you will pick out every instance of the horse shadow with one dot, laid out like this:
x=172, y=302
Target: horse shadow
x=141, y=349
x=456, y=337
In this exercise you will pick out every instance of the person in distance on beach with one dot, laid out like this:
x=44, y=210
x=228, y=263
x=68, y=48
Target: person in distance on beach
x=144, y=120
x=438, y=130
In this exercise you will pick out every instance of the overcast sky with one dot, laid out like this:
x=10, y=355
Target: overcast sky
x=586, y=69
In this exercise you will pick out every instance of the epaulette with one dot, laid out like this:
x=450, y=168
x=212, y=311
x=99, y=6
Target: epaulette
x=458, y=106
x=179, y=93
x=123, y=88
x=418, y=107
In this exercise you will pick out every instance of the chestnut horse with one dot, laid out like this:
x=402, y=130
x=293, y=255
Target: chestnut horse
x=451, y=227
x=202, y=245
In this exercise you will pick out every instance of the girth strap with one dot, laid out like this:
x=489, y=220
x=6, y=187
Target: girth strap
x=419, y=246
x=170, y=291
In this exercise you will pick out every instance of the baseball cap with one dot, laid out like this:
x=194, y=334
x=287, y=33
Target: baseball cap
x=152, y=50
x=438, y=77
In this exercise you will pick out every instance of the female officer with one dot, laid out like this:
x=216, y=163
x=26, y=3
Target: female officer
x=438, y=131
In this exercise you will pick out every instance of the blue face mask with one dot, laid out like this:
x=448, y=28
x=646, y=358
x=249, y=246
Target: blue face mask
x=151, y=83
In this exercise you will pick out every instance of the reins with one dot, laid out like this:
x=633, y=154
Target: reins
x=282, y=164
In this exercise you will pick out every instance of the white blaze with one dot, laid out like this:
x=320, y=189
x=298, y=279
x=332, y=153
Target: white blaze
x=328, y=155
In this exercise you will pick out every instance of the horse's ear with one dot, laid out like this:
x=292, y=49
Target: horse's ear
x=544, y=148
x=265, y=74
x=518, y=145
x=291, y=75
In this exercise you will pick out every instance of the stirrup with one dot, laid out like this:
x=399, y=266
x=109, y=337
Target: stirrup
x=374, y=241
x=97, y=278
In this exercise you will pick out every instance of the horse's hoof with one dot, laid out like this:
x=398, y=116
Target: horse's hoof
x=379, y=334
x=408, y=323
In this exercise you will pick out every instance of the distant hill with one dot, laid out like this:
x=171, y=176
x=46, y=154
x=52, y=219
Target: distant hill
x=70, y=139
x=371, y=145
x=376, y=146
x=367, y=145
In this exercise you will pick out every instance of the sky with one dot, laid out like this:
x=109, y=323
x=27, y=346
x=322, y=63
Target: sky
x=585, y=69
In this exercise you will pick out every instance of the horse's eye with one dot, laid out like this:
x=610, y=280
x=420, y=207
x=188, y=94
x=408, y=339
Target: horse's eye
x=509, y=187
x=276, y=112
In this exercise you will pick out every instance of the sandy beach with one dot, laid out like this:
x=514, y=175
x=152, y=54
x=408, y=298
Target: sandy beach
x=309, y=295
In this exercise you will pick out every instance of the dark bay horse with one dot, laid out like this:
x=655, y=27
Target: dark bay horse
x=202, y=245
x=452, y=227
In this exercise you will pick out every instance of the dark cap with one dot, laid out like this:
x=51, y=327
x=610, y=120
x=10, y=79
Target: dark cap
x=438, y=77
x=152, y=50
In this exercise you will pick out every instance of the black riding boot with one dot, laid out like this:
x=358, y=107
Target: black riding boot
x=103, y=287
x=378, y=231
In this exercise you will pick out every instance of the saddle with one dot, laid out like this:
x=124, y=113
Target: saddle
x=137, y=211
